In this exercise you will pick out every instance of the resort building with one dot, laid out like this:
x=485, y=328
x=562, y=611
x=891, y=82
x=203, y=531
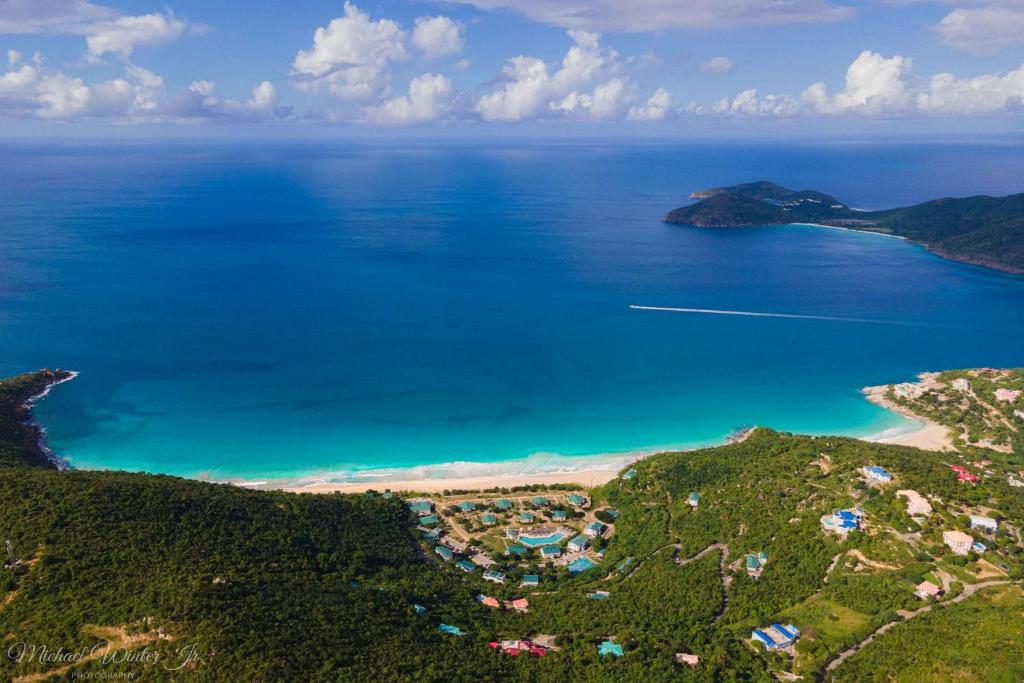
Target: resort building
x=421, y=507
x=595, y=529
x=612, y=513
x=693, y=500
x=467, y=506
x=986, y=524
x=607, y=647
x=503, y=504
x=445, y=553
x=876, y=473
x=517, y=550
x=550, y=551
x=434, y=533
x=578, y=544
x=429, y=520
x=488, y=601
x=530, y=581
x=515, y=647
x=959, y=542
x=577, y=500
x=494, y=576
x=927, y=590
x=520, y=605
x=559, y=515
x=776, y=636
x=488, y=519
x=916, y=503
x=686, y=658
x=540, y=501
x=842, y=522
x=526, y=517
x=581, y=564
x=466, y=566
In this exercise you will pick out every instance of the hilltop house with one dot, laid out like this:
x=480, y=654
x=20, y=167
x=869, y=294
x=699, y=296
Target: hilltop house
x=540, y=501
x=594, y=529
x=559, y=515
x=488, y=601
x=926, y=590
x=445, y=553
x=517, y=550
x=494, y=576
x=550, y=551
x=578, y=543
x=916, y=503
x=986, y=524
x=520, y=605
x=630, y=473
x=693, y=500
x=959, y=542
x=429, y=520
x=842, y=522
x=776, y=636
x=755, y=563
x=466, y=566
x=876, y=473
x=607, y=647
x=526, y=517
x=530, y=581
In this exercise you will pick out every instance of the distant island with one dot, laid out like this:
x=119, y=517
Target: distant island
x=982, y=230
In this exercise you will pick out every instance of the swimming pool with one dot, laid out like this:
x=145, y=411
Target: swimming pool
x=534, y=541
x=581, y=564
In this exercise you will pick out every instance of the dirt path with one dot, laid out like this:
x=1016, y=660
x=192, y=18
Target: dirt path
x=905, y=617
x=115, y=638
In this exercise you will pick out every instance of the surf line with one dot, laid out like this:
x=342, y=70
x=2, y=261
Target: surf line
x=757, y=314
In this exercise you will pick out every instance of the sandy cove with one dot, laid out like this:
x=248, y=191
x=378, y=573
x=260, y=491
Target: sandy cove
x=931, y=436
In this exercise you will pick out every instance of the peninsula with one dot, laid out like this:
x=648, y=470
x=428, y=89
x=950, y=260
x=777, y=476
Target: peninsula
x=981, y=230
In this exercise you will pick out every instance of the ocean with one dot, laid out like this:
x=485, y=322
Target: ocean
x=345, y=312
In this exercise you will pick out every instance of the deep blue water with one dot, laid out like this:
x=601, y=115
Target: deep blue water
x=256, y=310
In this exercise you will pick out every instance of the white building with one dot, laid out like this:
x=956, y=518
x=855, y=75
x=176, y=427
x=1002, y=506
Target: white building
x=984, y=523
x=916, y=503
x=959, y=542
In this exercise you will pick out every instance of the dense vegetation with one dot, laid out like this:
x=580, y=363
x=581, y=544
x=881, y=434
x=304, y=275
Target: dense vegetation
x=275, y=586
x=984, y=230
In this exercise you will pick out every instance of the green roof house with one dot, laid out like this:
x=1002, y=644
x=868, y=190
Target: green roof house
x=503, y=504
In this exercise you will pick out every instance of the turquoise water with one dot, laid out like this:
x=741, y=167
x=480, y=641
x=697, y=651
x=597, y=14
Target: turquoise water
x=535, y=541
x=272, y=310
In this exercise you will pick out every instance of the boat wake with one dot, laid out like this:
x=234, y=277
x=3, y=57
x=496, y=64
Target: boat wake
x=758, y=314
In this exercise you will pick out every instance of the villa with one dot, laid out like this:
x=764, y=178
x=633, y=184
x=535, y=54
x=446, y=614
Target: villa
x=488, y=519
x=517, y=550
x=540, y=501
x=520, y=605
x=926, y=590
x=877, y=473
x=526, y=517
x=595, y=529
x=986, y=524
x=578, y=543
x=467, y=506
x=776, y=636
x=445, y=553
x=963, y=475
x=842, y=522
x=577, y=500
x=559, y=515
x=916, y=503
x=421, y=507
x=514, y=647
x=503, y=504
x=530, y=581
x=755, y=563
x=693, y=500
x=607, y=647
x=466, y=566
x=494, y=576
x=550, y=551
x=959, y=542
x=488, y=601
x=630, y=473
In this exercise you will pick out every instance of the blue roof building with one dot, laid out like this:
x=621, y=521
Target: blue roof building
x=489, y=519
x=876, y=472
x=503, y=504
x=444, y=552
x=594, y=529
x=540, y=501
x=559, y=515
x=526, y=517
x=467, y=506
x=607, y=647
x=452, y=630
x=518, y=550
x=776, y=636
x=693, y=499
x=550, y=551
x=612, y=512
x=429, y=520
x=494, y=575
x=630, y=473
x=466, y=566
x=624, y=565
x=579, y=543
x=421, y=507
x=580, y=564
x=531, y=580
x=576, y=499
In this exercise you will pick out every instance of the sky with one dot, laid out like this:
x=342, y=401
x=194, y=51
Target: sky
x=483, y=67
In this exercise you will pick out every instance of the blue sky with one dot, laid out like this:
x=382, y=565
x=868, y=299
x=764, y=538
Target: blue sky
x=624, y=66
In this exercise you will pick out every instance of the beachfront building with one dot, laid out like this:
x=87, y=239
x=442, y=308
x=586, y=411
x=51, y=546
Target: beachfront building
x=421, y=507
x=876, y=473
x=776, y=636
x=986, y=524
x=693, y=500
x=959, y=542
x=503, y=504
x=494, y=576
x=488, y=519
x=595, y=529
x=608, y=647
x=467, y=506
x=916, y=503
x=842, y=522
x=578, y=543
x=466, y=566
x=530, y=581
x=926, y=590
x=577, y=500
x=445, y=553
x=549, y=552
x=540, y=501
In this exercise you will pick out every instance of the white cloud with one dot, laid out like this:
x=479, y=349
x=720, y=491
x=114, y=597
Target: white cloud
x=986, y=94
x=661, y=15
x=122, y=35
x=607, y=101
x=874, y=85
x=747, y=103
x=51, y=16
x=437, y=36
x=350, y=55
x=656, y=108
x=462, y=65
x=429, y=99
x=717, y=66
x=983, y=30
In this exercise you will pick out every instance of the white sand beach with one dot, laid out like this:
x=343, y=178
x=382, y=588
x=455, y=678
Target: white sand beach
x=586, y=478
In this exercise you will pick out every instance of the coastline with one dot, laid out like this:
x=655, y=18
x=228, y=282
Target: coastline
x=42, y=449
x=930, y=436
